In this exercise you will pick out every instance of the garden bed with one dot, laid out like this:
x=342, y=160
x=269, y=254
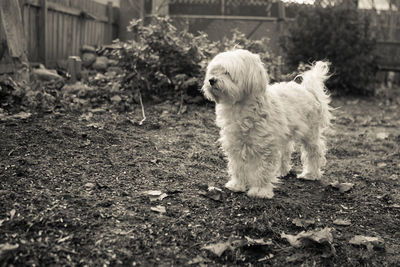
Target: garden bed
x=98, y=189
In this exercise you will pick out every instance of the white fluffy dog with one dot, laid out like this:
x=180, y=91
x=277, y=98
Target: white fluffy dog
x=260, y=122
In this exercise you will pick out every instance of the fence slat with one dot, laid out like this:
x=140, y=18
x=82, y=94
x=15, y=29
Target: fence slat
x=56, y=29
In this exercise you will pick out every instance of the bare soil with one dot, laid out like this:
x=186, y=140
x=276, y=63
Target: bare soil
x=73, y=191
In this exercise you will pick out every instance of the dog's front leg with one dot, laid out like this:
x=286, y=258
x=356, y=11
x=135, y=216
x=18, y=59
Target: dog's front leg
x=237, y=182
x=262, y=176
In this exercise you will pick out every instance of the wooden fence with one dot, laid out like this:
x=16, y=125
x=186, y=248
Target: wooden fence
x=56, y=29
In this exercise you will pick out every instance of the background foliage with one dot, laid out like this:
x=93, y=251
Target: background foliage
x=342, y=36
x=164, y=61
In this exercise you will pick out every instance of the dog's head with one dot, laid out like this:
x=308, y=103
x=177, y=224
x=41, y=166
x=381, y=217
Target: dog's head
x=233, y=76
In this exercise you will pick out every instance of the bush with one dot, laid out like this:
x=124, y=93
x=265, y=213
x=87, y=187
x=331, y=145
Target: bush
x=341, y=36
x=164, y=61
x=239, y=40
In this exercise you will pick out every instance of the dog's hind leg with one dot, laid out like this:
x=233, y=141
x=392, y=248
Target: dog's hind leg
x=313, y=151
x=286, y=155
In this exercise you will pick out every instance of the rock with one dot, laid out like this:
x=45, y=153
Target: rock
x=45, y=74
x=88, y=59
x=100, y=64
x=88, y=48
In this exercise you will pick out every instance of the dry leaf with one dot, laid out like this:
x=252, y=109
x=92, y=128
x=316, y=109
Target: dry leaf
x=343, y=187
x=153, y=192
x=367, y=241
x=295, y=257
x=257, y=242
x=159, y=208
x=266, y=258
x=382, y=135
x=214, y=193
x=342, y=222
x=12, y=214
x=218, y=248
x=155, y=195
x=160, y=197
x=382, y=164
x=323, y=236
x=7, y=247
x=64, y=238
x=198, y=259
x=89, y=185
x=96, y=125
x=21, y=115
x=303, y=222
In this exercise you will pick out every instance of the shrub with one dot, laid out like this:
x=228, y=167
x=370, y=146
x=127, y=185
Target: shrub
x=339, y=35
x=239, y=40
x=164, y=61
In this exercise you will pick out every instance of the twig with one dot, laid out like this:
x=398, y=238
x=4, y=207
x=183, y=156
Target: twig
x=141, y=104
x=181, y=104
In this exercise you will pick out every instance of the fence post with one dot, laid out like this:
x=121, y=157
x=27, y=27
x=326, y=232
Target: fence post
x=142, y=10
x=42, y=32
x=110, y=21
x=281, y=11
x=223, y=7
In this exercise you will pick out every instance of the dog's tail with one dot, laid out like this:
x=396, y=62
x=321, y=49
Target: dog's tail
x=314, y=80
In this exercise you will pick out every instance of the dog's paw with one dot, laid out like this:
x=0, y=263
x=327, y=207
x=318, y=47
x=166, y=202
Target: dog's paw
x=261, y=192
x=309, y=176
x=235, y=186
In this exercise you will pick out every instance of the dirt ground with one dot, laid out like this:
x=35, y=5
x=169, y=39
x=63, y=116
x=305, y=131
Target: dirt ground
x=74, y=190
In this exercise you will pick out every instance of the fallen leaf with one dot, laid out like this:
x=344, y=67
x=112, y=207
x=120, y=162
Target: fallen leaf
x=268, y=257
x=160, y=197
x=64, y=238
x=382, y=164
x=159, y=209
x=96, y=125
x=155, y=195
x=368, y=241
x=257, y=242
x=89, y=185
x=293, y=240
x=7, y=247
x=303, y=222
x=12, y=214
x=218, y=248
x=382, y=135
x=343, y=187
x=342, y=222
x=21, y=115
x=295, y=257
x=323, y=237
x=198, y=259
x=213, y=193
x=394, y=177
x=153, y=192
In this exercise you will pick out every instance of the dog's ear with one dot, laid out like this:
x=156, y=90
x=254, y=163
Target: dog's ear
x=257, y=79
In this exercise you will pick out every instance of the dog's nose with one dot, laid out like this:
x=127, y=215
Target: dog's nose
x=212, y=81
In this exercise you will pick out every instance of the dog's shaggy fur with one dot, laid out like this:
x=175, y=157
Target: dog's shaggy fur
x=260, y=122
